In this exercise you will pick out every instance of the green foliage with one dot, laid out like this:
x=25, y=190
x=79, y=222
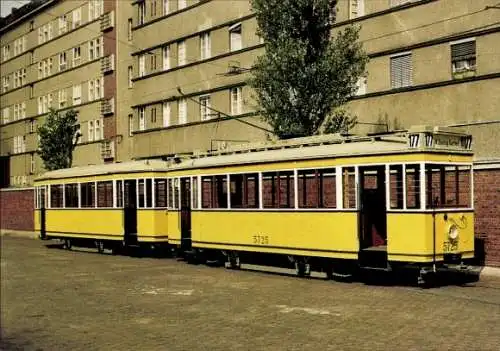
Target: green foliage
x=58, y=137
x=305, y=74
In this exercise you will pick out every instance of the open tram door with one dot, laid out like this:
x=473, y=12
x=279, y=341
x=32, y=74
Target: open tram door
x=130, y=212
x=372, y=217
x=185, y=214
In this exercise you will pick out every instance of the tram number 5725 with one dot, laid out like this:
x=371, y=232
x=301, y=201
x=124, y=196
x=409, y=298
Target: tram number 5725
x=261, y=239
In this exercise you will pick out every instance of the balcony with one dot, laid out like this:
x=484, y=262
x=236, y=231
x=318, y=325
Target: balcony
x=107, y=150
x=108, y=64
x=107, y=21
x=108, y=107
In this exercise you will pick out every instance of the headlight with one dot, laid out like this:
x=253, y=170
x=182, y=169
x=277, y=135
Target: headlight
x=453, y=232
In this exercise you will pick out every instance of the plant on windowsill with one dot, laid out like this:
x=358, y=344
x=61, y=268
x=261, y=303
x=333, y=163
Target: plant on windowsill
x=464, y=73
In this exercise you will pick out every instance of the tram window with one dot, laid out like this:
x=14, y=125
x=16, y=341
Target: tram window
x=141, y=193
x=413, y=186
x=170, y=196
x=41, y=200
x=149, y=193
x=214, y=191
x=316, y=188
x=176, y=192
x=448, y=186
x=244, y=190
x=278, y=189
x=105, y=194
x=160, y=193
x=56, y=196
x=119, y=193
x=349, y=187
x=87, y=192
x=71, y=195
x=396, y=186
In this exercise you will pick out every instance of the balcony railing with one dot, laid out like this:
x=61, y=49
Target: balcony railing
x=107, y=21
x=108, y=106
x=108, y=64
x=107, y=149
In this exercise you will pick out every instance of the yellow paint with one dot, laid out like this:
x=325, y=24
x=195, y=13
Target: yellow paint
x=328, y=234
x=174, y=226
x=152, y=225
x=412, y=233
x=93, y=221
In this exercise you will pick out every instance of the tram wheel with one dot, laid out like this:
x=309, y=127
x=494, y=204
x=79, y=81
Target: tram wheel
x=67, y=244
x=100, y=246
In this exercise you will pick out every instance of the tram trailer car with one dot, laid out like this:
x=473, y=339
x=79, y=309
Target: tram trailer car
x=328, y=203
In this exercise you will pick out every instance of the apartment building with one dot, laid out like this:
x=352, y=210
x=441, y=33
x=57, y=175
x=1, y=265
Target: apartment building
x=155, y=78
x=57, y=54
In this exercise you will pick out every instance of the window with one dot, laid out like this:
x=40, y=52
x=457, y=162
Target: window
x=160, y=193
x=401, y=71
x=399, y=2
x=349, y=187
x=463, y=57
x=87, y=194
x=145, y=193
x=129, y=73
x=130, y=125
x=95, y=49
x=244, y=190
x=205, y=107
x=5, y=83
x=62, y=98
x=56, y=196
x=129, y=27
x=448, y=186
x=32, y=163
x=63, y=24
x=142, y=12
x=19, y=144
x=62, y=61
x=99, y=129
x=412, y=186
x=32, y=126
x=71, y=195
x=214, y=191
x=316, y=188
x=6, y=52
x=182, y=111
x=152, y=62
x=236, y=101
x=142, y=120
x=5, y=115
x=153, y=8
x=205, y=46
x=105, y=194
x=235, y=37
x=181, y=53
x=278, y=189
x=95, y=9
x=153, y=115
x=166, y=7
x=181, y=4
x=166, y=57
x=166, y=114
x=77, y=139
x=77, y=18
x=173, y=193
x=142, y=65
x=77, y=94
x=356, y=8
x=99, y=88
x=396, y=186
x=90, y=131
x=76, y=56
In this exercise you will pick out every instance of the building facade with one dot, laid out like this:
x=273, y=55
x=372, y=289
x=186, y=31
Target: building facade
x=155, y=78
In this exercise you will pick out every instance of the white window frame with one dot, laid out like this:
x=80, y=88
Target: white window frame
x=62, y=98
x=141, y=8
x=91, y=90
x=77, y=55
x=63, y=61
x=181, y=53
x=63, y=24
x=400, y=84
x=98, y=129
x=167, y=114
x=205, y=46
x=166, y=7
x=181, y=4
x=182, y=111
x=142, y=118
x=77, y=94
x=142, y=65
x=5, y=115
x=205, y=105
x=236, y=105
x=235, y=37
x=130, y=125
x=166, y=57
x=90, y=131
x=77, y=18
x=130, y=76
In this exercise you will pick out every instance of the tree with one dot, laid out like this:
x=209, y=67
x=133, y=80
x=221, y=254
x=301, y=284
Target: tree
x=58, y=137
x=305, y=76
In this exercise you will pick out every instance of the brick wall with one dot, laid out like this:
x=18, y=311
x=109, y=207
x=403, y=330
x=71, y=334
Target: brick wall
x=16, y=209
x=487, y=206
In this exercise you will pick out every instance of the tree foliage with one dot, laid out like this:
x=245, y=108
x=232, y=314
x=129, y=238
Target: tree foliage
x=305, y=74
x=58, y=138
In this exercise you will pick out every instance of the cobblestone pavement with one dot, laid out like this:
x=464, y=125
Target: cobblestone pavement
x=52, y=299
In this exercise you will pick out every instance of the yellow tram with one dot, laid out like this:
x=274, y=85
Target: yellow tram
x=329, y=202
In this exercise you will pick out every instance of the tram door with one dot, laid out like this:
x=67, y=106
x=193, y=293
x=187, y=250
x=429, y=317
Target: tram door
x=41, y=199
x=373, y=216
x=130, y=212
x=185, y=214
